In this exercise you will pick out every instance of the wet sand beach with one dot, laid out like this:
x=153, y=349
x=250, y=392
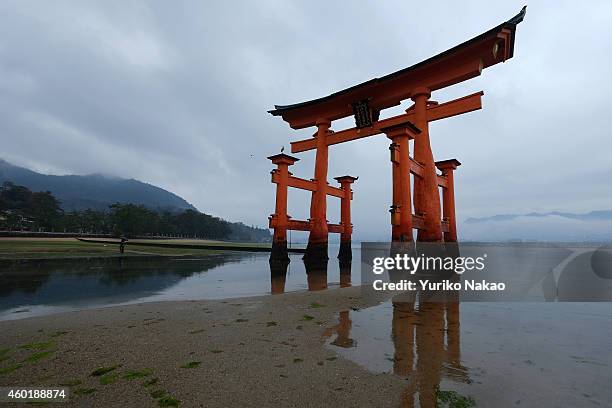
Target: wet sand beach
x=323, y=348
x=243, y=352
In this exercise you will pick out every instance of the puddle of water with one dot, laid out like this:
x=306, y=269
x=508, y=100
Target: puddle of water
x=37, y=288
x=502, y=354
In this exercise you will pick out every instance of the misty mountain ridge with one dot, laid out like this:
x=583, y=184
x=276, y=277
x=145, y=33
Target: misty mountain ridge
x=94, y=191
x=590, y=216
x=553, y=226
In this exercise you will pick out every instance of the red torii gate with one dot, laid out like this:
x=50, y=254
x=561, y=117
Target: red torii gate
x=365, y=101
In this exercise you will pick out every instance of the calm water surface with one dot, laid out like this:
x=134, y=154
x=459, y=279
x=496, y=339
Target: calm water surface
x=42, y=287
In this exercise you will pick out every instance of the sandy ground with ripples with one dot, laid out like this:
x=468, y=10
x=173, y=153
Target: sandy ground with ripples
x=263, y=351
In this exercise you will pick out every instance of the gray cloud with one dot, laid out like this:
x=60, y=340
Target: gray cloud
x=176, y=94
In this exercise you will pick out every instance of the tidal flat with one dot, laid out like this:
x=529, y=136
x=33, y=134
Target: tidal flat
x=323, y=348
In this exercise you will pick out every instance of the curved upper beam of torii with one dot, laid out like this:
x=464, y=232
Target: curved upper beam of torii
x=462, y=62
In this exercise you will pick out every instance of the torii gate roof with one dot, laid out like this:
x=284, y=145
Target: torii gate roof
x=452, y=66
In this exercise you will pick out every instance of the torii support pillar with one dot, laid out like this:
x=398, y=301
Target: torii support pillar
x=426, y=195
x=317, y=240
x=447, y=167
x=401, y=209
x=345, y=253
x=280, y=217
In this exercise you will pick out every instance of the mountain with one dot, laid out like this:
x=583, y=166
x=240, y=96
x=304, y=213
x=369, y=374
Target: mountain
x=93, y=191
x=590, y=216
x=552, y=226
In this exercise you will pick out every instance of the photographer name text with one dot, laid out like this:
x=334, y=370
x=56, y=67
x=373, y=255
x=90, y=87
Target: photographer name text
x=444, y=285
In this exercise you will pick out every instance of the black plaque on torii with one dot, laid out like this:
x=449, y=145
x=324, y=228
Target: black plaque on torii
x=364, y=115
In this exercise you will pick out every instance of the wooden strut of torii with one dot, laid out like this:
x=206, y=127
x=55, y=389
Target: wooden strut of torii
x=365, y=102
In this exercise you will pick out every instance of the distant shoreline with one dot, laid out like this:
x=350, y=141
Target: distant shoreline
x=66, y=248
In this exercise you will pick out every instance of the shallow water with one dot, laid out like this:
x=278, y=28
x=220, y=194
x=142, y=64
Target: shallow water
x=499, y=354
x=37, y=288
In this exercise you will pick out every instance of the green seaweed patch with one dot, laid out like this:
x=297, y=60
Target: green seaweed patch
x=216, y=351
x=168, y=402
x=331, y=358
x=192, y=364
x=158, y=393
x=307, y=318
x=70, y=383
x=150, y=382
x=197, y=331
x=10, y=369
x=270, y=324
x=242, y=320
x=34, y=357
x=315, y=305
x=452, y=399
x=84, y=391
x=298, y=360
x=59, y=333
x=4, y=354
x=134, y=374
x=38, y=346
x=109, y=378
x=104, y=370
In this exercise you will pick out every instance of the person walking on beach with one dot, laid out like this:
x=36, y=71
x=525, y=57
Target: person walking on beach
x=122, y=244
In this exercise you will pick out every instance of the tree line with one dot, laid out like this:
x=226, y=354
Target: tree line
x=24, y=210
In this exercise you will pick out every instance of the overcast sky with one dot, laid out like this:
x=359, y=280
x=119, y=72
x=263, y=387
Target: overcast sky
x=176, y=93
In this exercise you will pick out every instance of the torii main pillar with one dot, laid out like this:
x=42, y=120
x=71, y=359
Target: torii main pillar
x=426, y=195
x=401, y=209
x=317, y=240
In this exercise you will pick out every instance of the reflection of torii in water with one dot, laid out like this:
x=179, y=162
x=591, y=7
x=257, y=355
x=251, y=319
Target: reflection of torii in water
x=343, y=331
x=426, y=341
x=426, y=338
x=316, y=275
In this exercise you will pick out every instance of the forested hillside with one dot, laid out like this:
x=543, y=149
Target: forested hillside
x=24, y=210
